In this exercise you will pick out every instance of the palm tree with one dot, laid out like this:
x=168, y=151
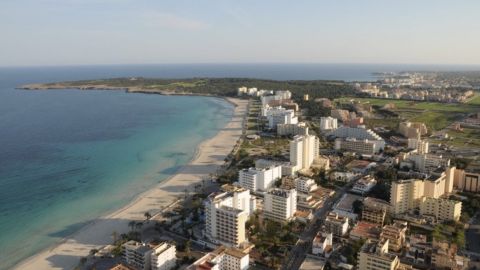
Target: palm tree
x=131, y=224
x=188, y=245
x=147, y=215
x=114, y=236
x=139, y=225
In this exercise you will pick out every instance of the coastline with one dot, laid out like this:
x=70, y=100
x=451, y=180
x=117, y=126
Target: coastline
x=208, y=157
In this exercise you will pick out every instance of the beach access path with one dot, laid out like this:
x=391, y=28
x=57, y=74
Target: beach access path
x=210, y=156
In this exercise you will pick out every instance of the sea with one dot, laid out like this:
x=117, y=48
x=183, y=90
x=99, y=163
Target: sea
x=70, y=156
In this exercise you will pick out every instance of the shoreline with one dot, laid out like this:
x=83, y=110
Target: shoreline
x=209, y=156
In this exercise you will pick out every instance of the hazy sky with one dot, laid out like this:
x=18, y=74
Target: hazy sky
x=70, y=32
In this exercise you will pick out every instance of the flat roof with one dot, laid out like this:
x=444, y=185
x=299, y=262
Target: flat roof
x=312, y=264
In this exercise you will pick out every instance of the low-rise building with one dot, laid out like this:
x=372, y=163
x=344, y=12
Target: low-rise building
x=222, y=258
x=374, y=210
x=364, y=146
x=335, y=224
x=444, y=256
x=292, y=129
x=305, y=184
x=322, y=244
x=396, y=235
x=364, y=184
x=365, y=230
x=344, y=207
x=441, y=209
x=376, y=256
x=312, y=263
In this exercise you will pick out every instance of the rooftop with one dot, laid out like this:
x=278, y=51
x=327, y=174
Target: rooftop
x=366, y=230
x=311, y=263
x=280, y=192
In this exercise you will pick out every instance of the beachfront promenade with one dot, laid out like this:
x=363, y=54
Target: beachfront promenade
x=210, y=156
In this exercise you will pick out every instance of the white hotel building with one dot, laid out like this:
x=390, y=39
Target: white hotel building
x=328, y=123
x=303, y=151
x=256, y=179
x=279, y=116
x=226, y=215
x=164, y=257
x=280, y=204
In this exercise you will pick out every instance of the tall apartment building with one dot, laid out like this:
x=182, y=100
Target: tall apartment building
x=137, y=255
x=466, y=181
x=222, y=258
x=328, y=123
x=164, y=257
x=226, y=215
x=259, y=179
x=412, y=129
x=359, y=139
x=376, y=256
x=418, y=144
x=335, y=224
x=406, y=195
x=303, y=151
x=280, y=204
x=441, y=209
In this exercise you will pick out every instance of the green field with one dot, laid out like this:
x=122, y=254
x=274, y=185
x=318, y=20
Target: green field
x=475, y=100
x=434, y=114
x=468, y=137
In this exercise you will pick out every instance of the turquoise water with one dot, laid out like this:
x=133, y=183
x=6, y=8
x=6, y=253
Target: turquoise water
x=69, y=156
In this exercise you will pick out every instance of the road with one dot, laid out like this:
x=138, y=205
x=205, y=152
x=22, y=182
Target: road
x=472, y=234
x=304, y=244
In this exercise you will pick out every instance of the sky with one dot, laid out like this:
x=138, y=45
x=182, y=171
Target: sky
x=88, y=32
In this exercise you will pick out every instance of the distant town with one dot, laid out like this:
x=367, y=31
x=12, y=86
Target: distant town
x=381, y=175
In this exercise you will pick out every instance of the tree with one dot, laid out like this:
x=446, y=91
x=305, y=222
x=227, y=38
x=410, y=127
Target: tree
x=131, y=224
x=114, y=236
x=357, y=207
x=188, y=246
x=139, y=225
x=147, y=215
x=83, y=260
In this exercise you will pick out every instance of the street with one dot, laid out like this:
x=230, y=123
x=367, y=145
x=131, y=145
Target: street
x=300, y=250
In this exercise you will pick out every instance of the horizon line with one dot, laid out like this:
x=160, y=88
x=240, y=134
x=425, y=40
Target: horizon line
x=238, y=63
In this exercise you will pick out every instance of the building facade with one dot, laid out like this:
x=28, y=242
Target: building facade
x=164, y=257
x=280, y=204
x=259, y=179
x=441, y=209
x=226, y=214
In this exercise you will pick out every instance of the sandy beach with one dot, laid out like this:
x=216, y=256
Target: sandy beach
x=210, y=155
